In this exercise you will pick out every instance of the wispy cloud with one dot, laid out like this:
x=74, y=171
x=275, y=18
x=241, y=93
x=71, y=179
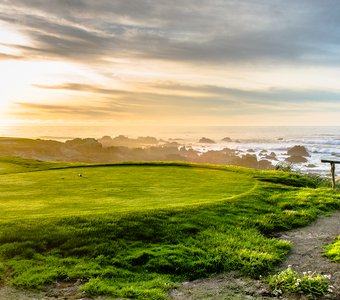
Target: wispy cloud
x=4, y=56
x=80, y=87
x=206, y=100
x=68, y=111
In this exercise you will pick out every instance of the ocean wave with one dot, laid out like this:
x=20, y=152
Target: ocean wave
x=333, y=142
x=322, y=150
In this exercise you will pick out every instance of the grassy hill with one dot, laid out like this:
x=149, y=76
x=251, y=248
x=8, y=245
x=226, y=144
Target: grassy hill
x=134, y=230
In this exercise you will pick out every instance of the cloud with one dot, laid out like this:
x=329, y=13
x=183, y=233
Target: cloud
x=274, y=95
x=70, y=112
x=80, y=87
x=206, y=31
x=4, y=56
x=206, y=100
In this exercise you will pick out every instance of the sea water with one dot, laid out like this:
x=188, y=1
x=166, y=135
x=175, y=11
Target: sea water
x=321, y=142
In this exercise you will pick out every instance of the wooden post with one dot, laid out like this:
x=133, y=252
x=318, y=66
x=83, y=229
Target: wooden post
x=333, y=174
x=332, y=162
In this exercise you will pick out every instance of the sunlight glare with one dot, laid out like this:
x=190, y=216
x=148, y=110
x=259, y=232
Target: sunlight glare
x=11, y=36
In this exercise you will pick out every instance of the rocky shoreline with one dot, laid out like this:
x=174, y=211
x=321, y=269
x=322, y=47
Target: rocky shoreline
x=122, y=148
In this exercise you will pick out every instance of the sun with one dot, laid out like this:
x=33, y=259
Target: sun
x=10, y=84
x=10, y=81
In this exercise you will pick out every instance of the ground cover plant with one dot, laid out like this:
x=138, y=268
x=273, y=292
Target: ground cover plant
x=332, y=251
x=134, y=230
x=307, y=283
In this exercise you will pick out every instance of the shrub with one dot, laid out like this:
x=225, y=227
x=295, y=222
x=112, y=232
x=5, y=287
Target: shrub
x=2, y=270
x=332, y=251
x=308, y=283
x=284, y=166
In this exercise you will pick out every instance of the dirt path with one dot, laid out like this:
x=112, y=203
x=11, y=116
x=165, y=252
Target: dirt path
x=307, y=248
x=306, y=255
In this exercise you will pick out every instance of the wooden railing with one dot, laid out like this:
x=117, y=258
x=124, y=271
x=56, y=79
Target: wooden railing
x=332, y=162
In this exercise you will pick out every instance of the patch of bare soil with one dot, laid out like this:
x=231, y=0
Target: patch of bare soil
x=306, y=255
x=307, y=249
x=225, y=286
x=58, y=291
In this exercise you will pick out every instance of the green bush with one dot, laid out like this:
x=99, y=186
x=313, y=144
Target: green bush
x=308, y=283
x=332, y=251
x=2, y=270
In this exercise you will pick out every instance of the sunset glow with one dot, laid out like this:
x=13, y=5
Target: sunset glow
x=219, y=63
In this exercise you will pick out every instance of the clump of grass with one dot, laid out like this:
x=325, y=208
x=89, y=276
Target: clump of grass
x=149, y=287
x=284, y=166
x=310, y=179
x=2, y=270
x=332, y=251
x=309, y=283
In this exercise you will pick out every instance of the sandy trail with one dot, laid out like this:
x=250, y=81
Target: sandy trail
x=306, y=255
x=307, y=248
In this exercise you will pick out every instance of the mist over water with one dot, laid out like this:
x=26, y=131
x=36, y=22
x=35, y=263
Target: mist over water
x=321, y=142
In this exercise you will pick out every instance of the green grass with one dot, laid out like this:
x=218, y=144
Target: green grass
x=309, y=283
x=10, y=165
x=134, y=230
x=118, y=189
x=332, y=251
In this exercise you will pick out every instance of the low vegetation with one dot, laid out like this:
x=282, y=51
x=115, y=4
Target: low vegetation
x=332, y=251
x=135, y=230
x=308, y=283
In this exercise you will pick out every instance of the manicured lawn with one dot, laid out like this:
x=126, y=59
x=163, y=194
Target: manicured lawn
x=135, y=230
x=115, y=189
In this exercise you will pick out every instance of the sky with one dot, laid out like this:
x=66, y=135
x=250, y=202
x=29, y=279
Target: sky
x=192, y=62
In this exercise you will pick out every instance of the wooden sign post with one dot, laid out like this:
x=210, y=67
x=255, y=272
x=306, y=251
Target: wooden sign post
x=332, y=162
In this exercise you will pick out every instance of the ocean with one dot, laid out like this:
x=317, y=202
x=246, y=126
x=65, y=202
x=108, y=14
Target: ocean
x=321, y=142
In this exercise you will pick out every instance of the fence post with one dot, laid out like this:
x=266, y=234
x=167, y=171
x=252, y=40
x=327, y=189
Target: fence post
x=333, y=174
x=332, y=162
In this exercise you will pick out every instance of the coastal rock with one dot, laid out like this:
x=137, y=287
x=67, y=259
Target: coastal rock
x=248, y=160
x=227, y=139
x=251, y=150
x=150, y=140
x=205, y=140
x=229, y=151
x=296, y=159
x=106, y=141
x=311, y=166
x=271, y=156
x=215, y=157
x=298, y=151
x=125, y=141
x=264, y=164
x=172, y=144
x=86, y=144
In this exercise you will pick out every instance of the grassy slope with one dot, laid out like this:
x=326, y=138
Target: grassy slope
x=134, y=230
x=332, y=251
x=10, y=165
